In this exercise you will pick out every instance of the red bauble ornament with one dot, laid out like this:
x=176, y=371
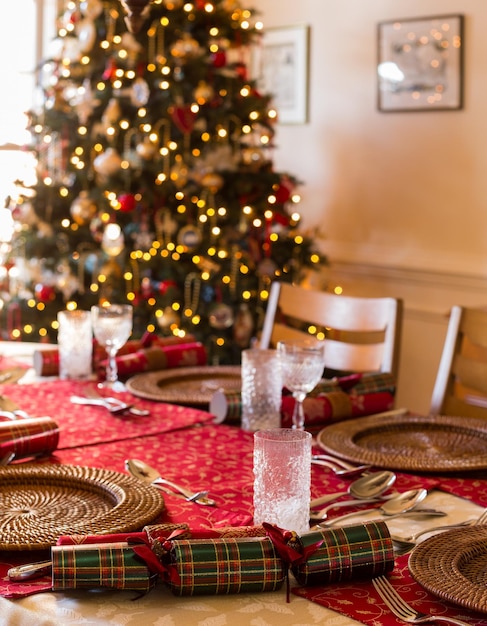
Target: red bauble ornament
x=219, y=59
x=183, y=118
x=165, y=285
x=110, y=70
x=45, y=293
x=127, y=202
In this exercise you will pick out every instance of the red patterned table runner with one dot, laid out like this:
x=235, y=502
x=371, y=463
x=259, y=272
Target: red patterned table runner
x=88, y=425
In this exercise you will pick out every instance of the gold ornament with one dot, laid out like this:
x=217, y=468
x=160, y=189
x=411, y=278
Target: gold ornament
x=83, y=209
x=168, y=318
x=203, y=92
x=212, y=181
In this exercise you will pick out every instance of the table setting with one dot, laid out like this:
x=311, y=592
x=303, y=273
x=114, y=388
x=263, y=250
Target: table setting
x=90, y=457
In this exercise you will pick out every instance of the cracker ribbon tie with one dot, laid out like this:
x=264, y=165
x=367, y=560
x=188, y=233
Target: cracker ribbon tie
x=284, y=542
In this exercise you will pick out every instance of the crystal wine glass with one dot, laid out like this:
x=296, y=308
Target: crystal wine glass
x=112, y=326
x=302, y=365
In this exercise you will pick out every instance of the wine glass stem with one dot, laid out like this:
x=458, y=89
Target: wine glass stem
x=298, y=413
x=111, y=369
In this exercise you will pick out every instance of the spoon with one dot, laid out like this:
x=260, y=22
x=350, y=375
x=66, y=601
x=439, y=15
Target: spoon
x=400, y=504
x=363, y=488
x=148, y=474
x=358, y=470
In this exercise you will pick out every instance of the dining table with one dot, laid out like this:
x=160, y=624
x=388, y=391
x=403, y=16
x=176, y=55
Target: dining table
x=189, y=445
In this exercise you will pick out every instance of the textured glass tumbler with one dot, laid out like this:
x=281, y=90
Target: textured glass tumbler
x=282, y=478
x=75, y=344
x=261, y=389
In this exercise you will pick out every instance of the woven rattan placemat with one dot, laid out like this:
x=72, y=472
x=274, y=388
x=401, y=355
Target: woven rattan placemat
x=186, y=385
x=453, y=566
x=39, y=503
x=410, y=442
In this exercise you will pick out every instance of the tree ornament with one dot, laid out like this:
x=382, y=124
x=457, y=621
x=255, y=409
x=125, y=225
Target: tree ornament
x=91, y=8
x=112, y=112
x=44, y=293
x=140, y=92
x=190, y=237
x=147, y=150
x=185, y=48
x=212, y=181
x=86, y=33
x=112, y=242
x=243, y=327
x=219, y=59
x=136, y=11
x=168, y=318
x=127, y=202
x=253, y=156
x=83, y=209
x=107, y=163
x=179, y=173
x=183, y=118
x=173, y=4
x=203, y=92
x=221, y=316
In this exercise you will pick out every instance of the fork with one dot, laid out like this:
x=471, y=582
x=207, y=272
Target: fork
x=404, y=545
x=403, y=610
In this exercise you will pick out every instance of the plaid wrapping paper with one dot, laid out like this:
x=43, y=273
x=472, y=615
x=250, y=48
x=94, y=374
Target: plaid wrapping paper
x=109, y=565
x=28, y=437
x=223, y=566
x=346, y=553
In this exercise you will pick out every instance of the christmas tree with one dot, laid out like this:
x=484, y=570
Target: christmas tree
x=155, y=183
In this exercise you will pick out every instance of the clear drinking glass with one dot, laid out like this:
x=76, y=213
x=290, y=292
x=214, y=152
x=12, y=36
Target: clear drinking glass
x=282, y=478
x=112, y=326
x=261, y=389
x=302, y=365
x=75, y=344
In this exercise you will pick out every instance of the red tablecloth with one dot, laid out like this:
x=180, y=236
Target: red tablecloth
x=218, y=458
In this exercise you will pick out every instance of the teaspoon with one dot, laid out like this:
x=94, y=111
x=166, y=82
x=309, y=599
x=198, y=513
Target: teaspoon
x=400, y=504
x=364, y=488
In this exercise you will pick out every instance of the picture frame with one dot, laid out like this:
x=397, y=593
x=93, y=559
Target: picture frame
x=281, y=70
x=420, y=64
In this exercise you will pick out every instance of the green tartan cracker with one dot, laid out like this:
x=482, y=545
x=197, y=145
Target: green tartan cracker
x=111, y=565
x=223, y=566
x=347, y=553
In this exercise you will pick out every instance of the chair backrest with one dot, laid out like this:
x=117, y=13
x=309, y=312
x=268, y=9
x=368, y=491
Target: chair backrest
x=461, y=382
x=362, y=334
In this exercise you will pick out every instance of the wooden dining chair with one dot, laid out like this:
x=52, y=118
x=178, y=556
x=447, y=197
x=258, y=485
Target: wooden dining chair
x=362, y=334
x=461, y=381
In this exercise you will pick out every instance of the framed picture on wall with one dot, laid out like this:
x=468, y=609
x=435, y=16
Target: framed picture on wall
x=281, y=70
x=420, y=64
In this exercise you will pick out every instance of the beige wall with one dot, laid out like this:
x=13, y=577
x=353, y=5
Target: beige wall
x=400, y=197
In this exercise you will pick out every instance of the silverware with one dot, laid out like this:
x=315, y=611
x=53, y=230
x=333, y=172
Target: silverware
x=115, y=406
x=364, y=488
x=392, y=504
x=30, y=570
x=338, y=468
x=403, y=610
x=404, y=545
x=8, y=458
x=148, y=474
